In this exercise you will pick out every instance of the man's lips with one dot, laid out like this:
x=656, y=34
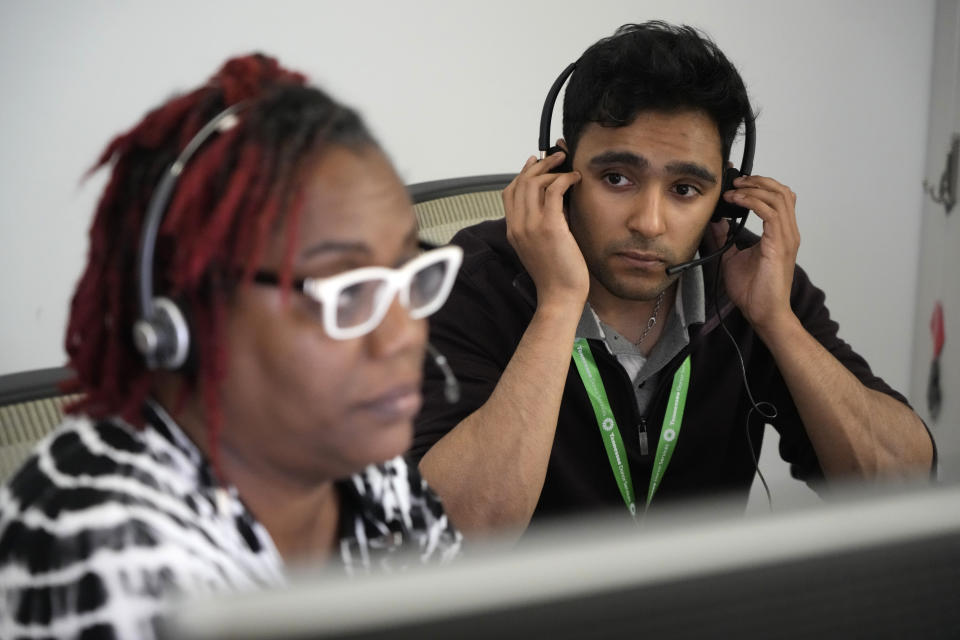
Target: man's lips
x=642, y=259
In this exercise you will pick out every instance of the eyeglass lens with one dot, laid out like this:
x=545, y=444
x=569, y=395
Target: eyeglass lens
x=358, y=302
x=426, y=284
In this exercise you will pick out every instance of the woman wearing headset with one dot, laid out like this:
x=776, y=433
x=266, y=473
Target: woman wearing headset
x=253, y=415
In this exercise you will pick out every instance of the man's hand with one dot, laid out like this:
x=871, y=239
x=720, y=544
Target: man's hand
x=490, y=468
x=855, y=431
x=537, y=229
x=758, y=279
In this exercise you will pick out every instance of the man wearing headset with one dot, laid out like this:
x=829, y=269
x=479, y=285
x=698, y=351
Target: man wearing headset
x=593, y=378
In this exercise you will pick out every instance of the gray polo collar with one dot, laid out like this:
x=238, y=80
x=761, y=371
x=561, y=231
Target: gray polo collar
x=688, y=308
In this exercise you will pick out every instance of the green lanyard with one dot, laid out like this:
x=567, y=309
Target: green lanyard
x=612, y=440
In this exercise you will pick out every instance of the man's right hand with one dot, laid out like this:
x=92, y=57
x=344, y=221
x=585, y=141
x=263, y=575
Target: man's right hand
x=537, y=230
x=490, y=468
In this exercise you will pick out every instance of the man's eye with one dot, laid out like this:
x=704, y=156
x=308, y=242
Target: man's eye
x=616, y=179
x=686, y=190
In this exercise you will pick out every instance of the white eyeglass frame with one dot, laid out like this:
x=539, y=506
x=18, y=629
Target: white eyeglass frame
x=326, y=290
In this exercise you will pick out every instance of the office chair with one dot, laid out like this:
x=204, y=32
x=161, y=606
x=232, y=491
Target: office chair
x=445, y=206
x=31, y=405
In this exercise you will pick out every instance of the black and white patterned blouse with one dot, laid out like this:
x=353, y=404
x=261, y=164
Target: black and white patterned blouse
x=106, y=525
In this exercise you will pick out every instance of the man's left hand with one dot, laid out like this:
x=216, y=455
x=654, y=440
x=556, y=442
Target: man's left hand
x=758, y=279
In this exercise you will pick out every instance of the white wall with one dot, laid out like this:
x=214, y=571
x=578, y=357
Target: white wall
x=456, y=88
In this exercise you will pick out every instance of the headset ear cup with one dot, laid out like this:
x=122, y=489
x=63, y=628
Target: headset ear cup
x=175, y=345
x=564, y=167
x=164, y=338
x=724, y=209
x=729, y=175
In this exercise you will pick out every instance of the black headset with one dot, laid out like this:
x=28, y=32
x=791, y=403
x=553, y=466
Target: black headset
x=162, y=334
x=723, y=210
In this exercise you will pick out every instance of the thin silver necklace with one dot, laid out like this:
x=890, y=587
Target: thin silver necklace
x=652, y=322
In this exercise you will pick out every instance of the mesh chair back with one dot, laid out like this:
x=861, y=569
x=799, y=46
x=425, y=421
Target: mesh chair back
x=445, y=206
x=31, y=405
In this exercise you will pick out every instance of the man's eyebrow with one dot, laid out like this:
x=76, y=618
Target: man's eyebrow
x=693, y=170
x=627, y=158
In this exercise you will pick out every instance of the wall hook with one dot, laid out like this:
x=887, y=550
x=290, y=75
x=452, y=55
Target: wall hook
x=947, y=189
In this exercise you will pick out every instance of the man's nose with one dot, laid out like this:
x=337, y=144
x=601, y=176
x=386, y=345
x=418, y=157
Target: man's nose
x=647, y=217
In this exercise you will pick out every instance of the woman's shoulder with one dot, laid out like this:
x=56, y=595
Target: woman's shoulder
x=84, y=462
x=104, y=517
x=66, y=527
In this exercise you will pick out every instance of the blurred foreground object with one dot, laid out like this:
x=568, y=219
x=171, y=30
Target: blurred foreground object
x=872, y=566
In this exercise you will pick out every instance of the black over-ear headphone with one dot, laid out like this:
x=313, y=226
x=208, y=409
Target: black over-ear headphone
x=723, y=210
x=161, y=333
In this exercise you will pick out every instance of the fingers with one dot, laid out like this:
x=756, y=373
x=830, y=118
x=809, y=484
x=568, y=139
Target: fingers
x=537, y=230
x=767, y=189
x=531, y=168
x=540, y=167
x=543, y=196
x=763, y=202
x=553, y=196
x=509, y=194
x=773, y=202
x=536, y=191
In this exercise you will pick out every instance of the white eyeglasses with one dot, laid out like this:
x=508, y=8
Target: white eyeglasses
x=354, y=302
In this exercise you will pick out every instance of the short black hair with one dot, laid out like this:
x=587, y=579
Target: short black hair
x=654, y=66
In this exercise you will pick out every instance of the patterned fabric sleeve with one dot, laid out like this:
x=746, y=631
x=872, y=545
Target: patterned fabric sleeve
x=103, y=529
x=391, y=520
x=106, y=527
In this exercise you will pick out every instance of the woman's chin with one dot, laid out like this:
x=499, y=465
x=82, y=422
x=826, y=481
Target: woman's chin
x=390, y=441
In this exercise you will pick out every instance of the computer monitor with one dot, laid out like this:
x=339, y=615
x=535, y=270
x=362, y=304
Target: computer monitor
x=878, y=566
